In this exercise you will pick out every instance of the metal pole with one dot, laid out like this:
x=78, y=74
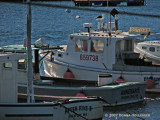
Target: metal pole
x=116, y=21
x=107, y=17
x=110, y=27
x=30, y=91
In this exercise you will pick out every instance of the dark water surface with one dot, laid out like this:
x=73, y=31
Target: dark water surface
x=55, y=25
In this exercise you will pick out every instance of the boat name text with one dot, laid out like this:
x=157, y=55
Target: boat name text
x=79, y=108
x=130, y=91
x=134, y=30
x=88, y=57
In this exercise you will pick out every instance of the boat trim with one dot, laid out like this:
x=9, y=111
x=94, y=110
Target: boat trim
x=29, y=115
x=68, y=64
x=104, y=70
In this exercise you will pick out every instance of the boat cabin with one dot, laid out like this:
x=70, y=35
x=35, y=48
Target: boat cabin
x=97, y=48
x=152, y=47
x=9, y=64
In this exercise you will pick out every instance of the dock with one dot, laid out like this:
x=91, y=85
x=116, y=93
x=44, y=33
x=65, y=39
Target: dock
x=109, y=2
x=94, y=2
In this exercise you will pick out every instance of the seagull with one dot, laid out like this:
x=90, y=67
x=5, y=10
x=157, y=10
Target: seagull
x=101, y=17
x=67, y=10
x=78, y=17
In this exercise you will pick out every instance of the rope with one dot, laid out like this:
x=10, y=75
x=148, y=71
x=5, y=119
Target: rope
x=44, y=55
x=99, y=98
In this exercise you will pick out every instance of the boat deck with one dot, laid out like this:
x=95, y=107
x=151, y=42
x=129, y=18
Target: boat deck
x=22, y=49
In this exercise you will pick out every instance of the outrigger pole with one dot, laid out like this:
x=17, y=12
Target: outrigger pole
x=30, y=90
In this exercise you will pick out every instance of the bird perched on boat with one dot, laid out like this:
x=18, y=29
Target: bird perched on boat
x=101, y=17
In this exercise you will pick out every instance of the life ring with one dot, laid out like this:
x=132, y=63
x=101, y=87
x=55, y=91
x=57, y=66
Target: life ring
x=68, y=74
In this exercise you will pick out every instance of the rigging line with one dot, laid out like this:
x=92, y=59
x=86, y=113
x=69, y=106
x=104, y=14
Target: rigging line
x=89, y=9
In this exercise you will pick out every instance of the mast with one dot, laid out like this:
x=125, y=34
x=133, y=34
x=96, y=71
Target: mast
x=107, y=17
x=30, y=90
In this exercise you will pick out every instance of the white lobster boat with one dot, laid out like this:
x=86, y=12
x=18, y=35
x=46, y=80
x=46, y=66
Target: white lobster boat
x=89, y=54
x=10, y=109
x=49, y=89
x=149, y=50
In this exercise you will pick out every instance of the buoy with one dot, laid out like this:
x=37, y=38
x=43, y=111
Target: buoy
x=81, y=94
x=120, y=79
x=78, y=17
x=68, y=11
x=68, y=74
x=24, y=42
x=150, y=83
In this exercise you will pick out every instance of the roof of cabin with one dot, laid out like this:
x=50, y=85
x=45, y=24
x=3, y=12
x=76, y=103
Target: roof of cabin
x=119, y=34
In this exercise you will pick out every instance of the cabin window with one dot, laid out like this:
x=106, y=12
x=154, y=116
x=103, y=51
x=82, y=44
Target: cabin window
x=8, y=65
x=158, y=49
x=144, y=48
x=22, y=64
x=81, y=45
x=152, y=49
x=97, y=46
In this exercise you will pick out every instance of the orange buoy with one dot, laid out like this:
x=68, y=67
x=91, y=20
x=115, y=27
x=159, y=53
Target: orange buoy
x=68, y=74
x=150, y=83
x=120, y=79
x=81, y=94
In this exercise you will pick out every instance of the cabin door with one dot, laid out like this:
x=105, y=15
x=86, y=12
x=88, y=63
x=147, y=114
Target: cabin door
x=118, y=52
x=158, y=51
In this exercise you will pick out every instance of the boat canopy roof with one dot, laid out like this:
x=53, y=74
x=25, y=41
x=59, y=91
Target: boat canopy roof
x=156, y=43
x=119, y=34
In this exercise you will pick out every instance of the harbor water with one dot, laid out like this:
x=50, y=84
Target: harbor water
x=55, y=25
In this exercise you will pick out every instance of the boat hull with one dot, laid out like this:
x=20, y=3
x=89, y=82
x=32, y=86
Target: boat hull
x=116, y=94
x=88, y=108
x=54, y=69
